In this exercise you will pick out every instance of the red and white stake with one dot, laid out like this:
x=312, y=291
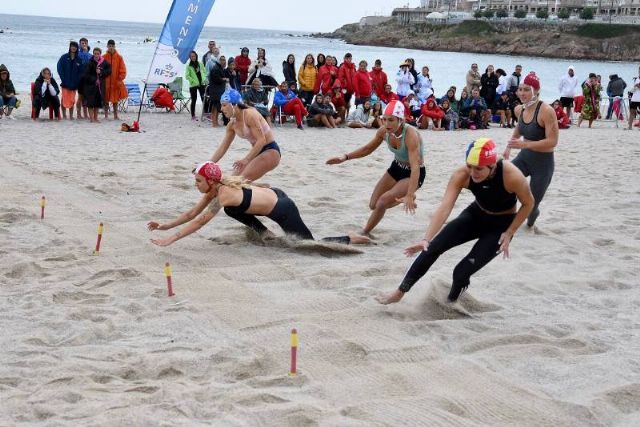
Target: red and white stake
x=100, y=230
x=294, y=353
x=168, y=274
x=43, y=202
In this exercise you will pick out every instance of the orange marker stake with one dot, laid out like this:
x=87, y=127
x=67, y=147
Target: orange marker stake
x=100, y=230
x=294, y=353
x=43, y=202
x=167, y=273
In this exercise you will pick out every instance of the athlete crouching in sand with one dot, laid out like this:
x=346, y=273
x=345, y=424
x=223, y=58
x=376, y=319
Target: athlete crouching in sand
x=492, y=219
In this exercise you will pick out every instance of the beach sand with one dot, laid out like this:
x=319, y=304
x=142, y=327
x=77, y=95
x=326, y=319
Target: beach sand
x=548, y=337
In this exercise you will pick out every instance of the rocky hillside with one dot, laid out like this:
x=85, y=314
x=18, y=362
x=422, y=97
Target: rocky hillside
x=571, y=41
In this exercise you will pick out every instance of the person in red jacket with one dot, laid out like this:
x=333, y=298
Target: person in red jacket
x=346, y=74
x=362, y=84
x=387, y=96
x=561, y=115
x=378, y=78
x=337, y=99
x=327, y=75
x=431, y=112
x=243, y=62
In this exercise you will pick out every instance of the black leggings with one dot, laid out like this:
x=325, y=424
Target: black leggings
x=540, y=167
x=471, y=224
x=194, y=97
x=285, y=213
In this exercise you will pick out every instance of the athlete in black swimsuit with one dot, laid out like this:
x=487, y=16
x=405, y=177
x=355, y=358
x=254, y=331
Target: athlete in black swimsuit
x=491, y=219
x=243, y=203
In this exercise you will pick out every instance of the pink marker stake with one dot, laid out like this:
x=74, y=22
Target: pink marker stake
x=294, y=353
x=100, y=230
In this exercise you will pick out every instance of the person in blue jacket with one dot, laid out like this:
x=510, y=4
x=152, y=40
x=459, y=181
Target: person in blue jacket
x=85, y=56
x=290, y=103
x=70, y=69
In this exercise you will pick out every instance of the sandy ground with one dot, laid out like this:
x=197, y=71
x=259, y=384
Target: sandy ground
x=549, y=337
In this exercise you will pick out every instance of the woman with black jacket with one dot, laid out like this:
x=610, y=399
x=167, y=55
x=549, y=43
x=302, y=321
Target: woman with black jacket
x=488, y=85
x=45, y=94
x=92, y=82
x=289, y=70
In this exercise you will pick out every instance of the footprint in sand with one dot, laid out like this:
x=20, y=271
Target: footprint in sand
x=93, y=188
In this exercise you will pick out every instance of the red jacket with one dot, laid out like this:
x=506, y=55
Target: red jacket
x=327, y=75
x=388, y=97
x=346, y=74
x=431, y=109
x=563, y=119
x=362, y=84
x=379, y=80
x=242, y=65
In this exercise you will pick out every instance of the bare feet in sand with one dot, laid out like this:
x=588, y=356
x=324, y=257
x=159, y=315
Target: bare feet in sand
x=391, y=297
x=358, y=239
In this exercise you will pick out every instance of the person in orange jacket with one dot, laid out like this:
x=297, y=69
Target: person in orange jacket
x=114, y=87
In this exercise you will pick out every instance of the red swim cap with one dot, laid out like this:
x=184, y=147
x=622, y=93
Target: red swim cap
x=532, y=80
x=210, y=171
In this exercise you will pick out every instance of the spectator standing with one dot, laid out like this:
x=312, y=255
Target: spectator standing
x=307, y=75
x=591, y=107
x=378, y=78
x=362, y=84
x=488, y=85
x=7, y=92
x=85, y=56
x=70, y=68
x=615, y=89
x=567, y=87
x=502, y=82
x=243, y=62
x=289, y=70
x=115, y=90
x=93, y=86
x=320, y=60
x=473, y=78
x=290, y=103
x=195, y=76
x=217, y=86
x=404, y=80
x=327, y=76
x=232, y=75
x=512, y=84
x=212, y=50
x=346, y=74
x=46, y=91
x=414, y=73
x=634, y=102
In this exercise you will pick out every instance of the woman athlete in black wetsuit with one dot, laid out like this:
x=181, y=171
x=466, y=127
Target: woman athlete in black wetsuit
x=491, y=219
x=242, y=202
x=538, y=127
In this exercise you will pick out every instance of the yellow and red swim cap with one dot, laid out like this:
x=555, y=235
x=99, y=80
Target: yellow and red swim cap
x=482, y=152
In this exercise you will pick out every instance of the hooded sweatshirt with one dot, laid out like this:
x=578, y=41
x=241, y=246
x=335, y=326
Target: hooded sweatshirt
x=346, y=74
x=6, y=86
x=568, y=85
x=616, y=86
x=378, y=80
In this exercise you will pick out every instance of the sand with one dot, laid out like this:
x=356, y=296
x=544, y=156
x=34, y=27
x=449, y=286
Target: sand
x=548, y=337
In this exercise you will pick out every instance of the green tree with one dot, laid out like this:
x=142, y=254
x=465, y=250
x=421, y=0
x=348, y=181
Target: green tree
x=587, y=13
x=520, y=13
x=488, y=13
x=477, y=14
x=502, y=13
x=542, y=14
x=564, y=13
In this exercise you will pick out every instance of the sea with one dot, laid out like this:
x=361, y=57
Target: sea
x=30, y=43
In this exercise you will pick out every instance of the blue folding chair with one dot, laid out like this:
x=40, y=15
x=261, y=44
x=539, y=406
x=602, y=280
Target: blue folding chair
x=134, y=98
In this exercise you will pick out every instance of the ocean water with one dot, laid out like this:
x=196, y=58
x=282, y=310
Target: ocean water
x=29, y=44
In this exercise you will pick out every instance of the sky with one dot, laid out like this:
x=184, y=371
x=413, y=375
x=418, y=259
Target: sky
x=298, y=15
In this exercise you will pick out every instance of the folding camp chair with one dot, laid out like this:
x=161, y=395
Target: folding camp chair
x=134, y=98
x=180, y=102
